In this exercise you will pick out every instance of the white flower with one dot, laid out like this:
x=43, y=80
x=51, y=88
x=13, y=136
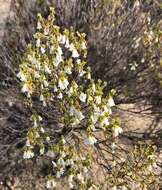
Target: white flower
x=94, y=118
x=67, y=44
x=98, y=99
x=72, y=111
x=38, y=42
x=105, y=121
x=155, y=165
x=89, y=75
x=73, y=50
x=47, y=70
x=35, y=123
x=37, y=75
x=79, y=115
x=81, y=73
x=41, y=151
x=83, y=45
x=71, y=47
x=142, y=60
x=80, y=177
x=69, y=162
x=63, y=141
x=58, y=59
x=55, y=89
x=51, y=49
x=111, y=102
x=78, y=61
x=28, y=154
x=110, y=111
x=22, y=76
x=45, y=83
x=28, y=143
x=117, y=130
x=113, y=146
x=44, y=103
x=40, y=118
x=59, y=50
x=25, y=88
x=133, y=66
x=59, y=173
x=51, y=184
x=46, y=31
x=47, y=139
x=92, y=127
x=149, y=20
x=90, y=140
x=151, y=156
x=32, y=59
x=68, y=70
x=41, y=98
x=137, y=3
x=37, y=135
x=93, y=88
x=42, y=130
x=105, y=109
x=85, y=170
x=50, y=154
x=75, y=122
x=39, y=26
x=38, y=66
x=61, y=162
x=42, y=50
x=63, y=83
x=156, y=40
x=82, y=97
x=60, y=96
x=71, y=185
x=75, y=53
x=62, y=39
x=54, y=164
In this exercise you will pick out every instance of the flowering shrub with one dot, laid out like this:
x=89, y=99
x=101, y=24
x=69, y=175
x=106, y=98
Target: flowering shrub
x=54, y=71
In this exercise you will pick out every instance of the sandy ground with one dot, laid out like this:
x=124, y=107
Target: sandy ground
x=4, y=11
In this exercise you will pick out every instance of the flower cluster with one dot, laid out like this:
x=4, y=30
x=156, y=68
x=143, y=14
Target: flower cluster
x=55, y=69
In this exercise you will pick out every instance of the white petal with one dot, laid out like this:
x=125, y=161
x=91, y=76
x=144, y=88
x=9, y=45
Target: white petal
x=117, y=131
x=25, y=88
x=39, y=26
x=111, y=102
x=98, y=99
x=47, y=70
x=38, y=42
x=83, y=45
x=21, y=76
x=43, y=50
x=83, y=97
x=60, y=96
x=41, y=98
x=62, y=39
x=75, y=53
